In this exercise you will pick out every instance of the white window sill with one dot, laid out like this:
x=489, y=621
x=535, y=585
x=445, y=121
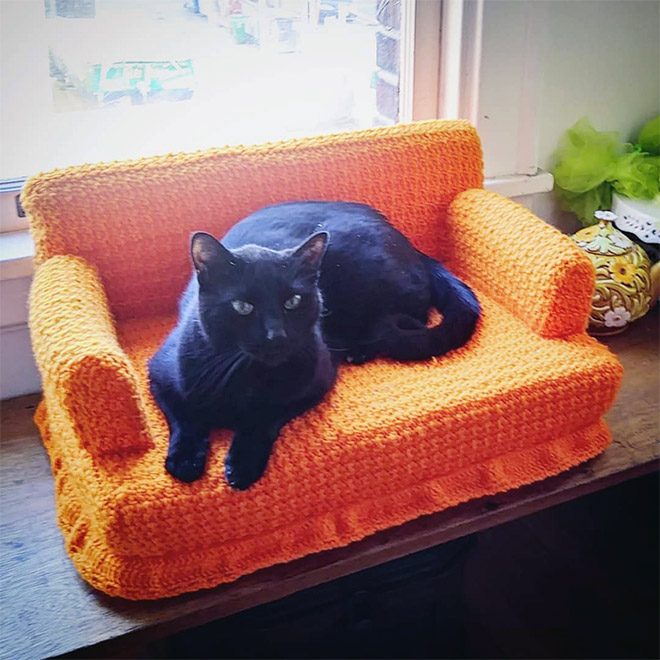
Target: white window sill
x=17, y=248
x=519, y=185
x=16, y=255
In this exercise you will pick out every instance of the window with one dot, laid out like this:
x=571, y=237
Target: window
x=89, y=80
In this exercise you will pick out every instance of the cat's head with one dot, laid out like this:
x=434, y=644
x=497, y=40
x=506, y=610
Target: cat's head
x=264, y=301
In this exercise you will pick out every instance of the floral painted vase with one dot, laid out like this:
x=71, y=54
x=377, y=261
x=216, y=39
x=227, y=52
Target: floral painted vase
x=623, y=276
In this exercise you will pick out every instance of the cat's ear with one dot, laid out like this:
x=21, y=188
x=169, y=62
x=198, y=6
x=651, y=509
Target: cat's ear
x=208, y=255
x=310, y=253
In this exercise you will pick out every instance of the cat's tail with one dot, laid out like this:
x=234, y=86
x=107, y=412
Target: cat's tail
x=409, y=339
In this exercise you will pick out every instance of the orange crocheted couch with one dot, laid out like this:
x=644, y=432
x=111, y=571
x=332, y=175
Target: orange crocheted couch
x=521, y=401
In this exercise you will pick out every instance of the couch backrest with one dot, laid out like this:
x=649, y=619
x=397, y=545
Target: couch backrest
x=133, y=219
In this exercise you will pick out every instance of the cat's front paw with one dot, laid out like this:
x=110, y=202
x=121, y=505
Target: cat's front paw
x=246, y=462
x=362, y=353
x=242, y=474
x=357, y=357
x=186, y=469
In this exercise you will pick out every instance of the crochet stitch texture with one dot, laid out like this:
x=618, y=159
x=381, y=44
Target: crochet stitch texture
x=521, y=401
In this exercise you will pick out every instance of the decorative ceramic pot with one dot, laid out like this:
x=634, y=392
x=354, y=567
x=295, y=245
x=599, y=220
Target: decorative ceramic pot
x=642, y=219
x=623, y=276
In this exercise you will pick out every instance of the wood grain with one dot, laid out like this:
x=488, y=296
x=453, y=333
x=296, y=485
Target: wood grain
x=48, y=610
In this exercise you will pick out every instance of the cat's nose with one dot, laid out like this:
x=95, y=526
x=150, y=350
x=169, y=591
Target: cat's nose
x=275, y=333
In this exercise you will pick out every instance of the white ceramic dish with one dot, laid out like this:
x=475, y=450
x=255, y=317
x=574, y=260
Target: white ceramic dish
x=639, y=217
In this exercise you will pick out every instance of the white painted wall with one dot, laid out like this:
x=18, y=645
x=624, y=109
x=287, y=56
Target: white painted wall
x=599, y=58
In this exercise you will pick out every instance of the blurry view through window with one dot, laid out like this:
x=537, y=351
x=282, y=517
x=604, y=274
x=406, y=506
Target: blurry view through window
x=88, y=80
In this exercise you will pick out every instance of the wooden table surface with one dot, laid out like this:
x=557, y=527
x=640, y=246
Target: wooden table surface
x=46, y=609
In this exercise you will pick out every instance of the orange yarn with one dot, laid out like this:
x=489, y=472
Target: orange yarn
x=391, y=442
x=526, y=266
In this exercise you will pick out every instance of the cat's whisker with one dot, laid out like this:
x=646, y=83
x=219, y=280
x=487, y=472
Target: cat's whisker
x=230, y=372
x=215, y=371
x=228, y=367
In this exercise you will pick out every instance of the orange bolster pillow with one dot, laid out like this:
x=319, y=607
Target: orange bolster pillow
x=529, y=267
x=75, y=344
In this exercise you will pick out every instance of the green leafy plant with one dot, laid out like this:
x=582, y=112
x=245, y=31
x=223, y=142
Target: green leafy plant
x=590, y=164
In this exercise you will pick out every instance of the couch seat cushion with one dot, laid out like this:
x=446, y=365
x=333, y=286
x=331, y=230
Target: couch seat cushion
x=385, y=426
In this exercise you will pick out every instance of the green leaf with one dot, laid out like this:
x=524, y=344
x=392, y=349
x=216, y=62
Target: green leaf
x=585, y=204
x=637, y=175
x=649, y=138
x=585, y=157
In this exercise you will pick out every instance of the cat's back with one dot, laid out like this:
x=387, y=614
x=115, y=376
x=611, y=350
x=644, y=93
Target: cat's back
x=369, y=269
x=284, y=226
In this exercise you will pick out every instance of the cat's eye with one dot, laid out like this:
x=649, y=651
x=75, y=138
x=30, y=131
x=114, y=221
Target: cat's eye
x=293, y=302
x=242, y=307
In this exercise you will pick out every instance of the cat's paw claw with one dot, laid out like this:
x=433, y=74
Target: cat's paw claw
x=242, y=472
x=357, y=358
x=237, y=482
x=186, y=470
x=240, y=479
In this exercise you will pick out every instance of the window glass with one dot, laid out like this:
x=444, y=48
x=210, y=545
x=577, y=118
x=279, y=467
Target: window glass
x=89, y=80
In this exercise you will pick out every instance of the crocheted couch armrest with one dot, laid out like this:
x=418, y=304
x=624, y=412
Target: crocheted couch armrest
x=531, y=268
x=81, y=361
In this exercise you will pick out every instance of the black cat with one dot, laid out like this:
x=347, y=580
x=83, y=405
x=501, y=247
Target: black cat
x=291, y=291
